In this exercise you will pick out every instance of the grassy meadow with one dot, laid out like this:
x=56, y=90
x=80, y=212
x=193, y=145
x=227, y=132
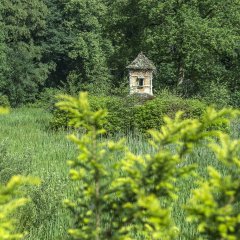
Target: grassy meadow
x=29, y=147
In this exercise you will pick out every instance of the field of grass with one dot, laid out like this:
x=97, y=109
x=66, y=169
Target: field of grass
x=29, y=147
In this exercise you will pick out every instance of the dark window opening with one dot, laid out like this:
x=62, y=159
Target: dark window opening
x=140, y=82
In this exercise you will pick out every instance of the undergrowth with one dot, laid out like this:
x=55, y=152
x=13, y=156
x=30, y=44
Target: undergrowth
x=29, y=147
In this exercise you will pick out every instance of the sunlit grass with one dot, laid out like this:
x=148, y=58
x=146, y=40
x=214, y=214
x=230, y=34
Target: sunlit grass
x=29, y=147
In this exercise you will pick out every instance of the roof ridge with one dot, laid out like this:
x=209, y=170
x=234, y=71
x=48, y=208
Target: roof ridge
x=142, y=62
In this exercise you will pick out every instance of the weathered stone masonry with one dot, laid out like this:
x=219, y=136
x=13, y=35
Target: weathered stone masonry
x=141, y=75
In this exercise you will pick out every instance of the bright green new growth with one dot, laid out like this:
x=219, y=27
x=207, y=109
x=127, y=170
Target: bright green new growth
x=135, y=198
x=4, y=110
x=10, y=201
x=215, y=204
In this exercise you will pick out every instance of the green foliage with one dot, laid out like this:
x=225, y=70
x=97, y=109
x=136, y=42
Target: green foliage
x=3, y=62
x=89, y=48
x=121, y=112
x=48, y=98
x=217, y=94
x=132, y=114
x=214, y=204
x=4, y=110
x=50, y=43
x=151, y=114
x=235, y=99
x=23, y=28
x=191, y=42
x=120, y=116
x=8, y=205
x=94, y=197
x=45, y=154
x=4, y=101
x=10, y=201
x=137, y=196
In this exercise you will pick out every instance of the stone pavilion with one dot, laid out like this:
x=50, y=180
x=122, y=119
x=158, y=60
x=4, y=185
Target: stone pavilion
x=141, y=75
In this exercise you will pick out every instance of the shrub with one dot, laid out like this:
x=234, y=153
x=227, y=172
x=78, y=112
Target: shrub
x=214, y=205
x=150, y=115
x=218, y=95
x=136, y=197
x=4, y=110
x=120, y=113
x=48, y=98
x=120, y=116
x=4, y=102
x=235, y=99
x=9, y=202
x=134, y=113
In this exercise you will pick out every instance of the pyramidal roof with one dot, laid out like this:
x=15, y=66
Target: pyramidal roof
x=142, y=62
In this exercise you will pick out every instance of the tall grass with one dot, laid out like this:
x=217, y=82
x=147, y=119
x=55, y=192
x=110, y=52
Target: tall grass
x=29, y=147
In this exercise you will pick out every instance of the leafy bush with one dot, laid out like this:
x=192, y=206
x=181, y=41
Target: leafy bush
x=134, y=113
x=214, y=205
x=4, y=102
x=9, y=202
x=218, y=95
x=136, y=197
x=4, y=110
x=151, y=114
x=120, y=113
x=47, y=98
x=235, y=99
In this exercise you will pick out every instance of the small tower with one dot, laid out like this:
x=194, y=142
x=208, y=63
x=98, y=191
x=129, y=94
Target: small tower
x=141, y=75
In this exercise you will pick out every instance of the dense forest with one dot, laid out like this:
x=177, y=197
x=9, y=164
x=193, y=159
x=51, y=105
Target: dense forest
x=87, y=44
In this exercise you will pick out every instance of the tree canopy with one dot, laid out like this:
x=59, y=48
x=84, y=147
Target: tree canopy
x=88, y=43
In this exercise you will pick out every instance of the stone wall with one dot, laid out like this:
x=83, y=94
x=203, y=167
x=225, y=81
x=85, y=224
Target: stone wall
x=133, y=77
